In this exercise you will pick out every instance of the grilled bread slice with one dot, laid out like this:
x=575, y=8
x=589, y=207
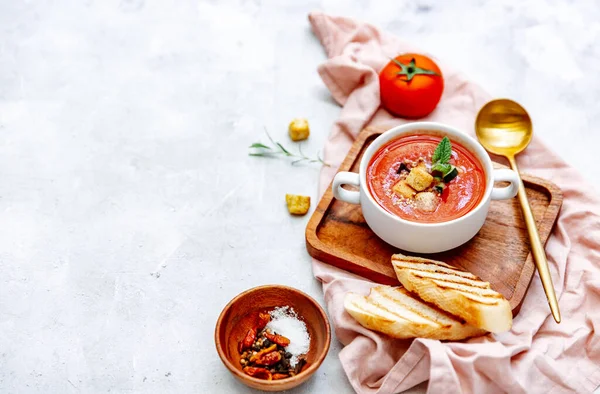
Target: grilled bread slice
x=398, y=313
x=458, y=292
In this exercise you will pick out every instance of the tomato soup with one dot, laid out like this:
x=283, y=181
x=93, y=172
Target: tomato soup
x=391, y=166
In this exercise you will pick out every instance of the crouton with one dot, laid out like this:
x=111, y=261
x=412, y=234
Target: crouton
x=299, y=129
x=426, y=201
x=403, y=189
x=419, y=179
x=297, y=205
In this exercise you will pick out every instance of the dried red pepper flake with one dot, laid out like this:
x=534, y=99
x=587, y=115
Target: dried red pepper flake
x=261, y=352
x=278, y=339
x=262, y=320
x=248, y=340
x=269, y=358
x=260, y=373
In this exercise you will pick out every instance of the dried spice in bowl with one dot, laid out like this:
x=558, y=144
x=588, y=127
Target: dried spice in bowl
x=275, y=347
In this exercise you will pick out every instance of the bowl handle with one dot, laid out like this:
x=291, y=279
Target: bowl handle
x=505, y=175
x=346, y=178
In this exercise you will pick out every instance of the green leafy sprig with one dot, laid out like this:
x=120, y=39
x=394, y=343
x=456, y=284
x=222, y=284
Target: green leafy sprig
x=443, y=152
x=262, y=150
x=441, y=161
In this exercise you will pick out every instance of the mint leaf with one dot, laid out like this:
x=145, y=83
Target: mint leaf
x=442, y=152
x=443, y=168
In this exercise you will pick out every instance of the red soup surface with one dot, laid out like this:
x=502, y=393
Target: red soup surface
x=460, y=195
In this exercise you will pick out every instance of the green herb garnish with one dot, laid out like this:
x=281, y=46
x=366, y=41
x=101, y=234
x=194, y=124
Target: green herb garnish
x=441, y=166
x=442, y=152
x=262, y=150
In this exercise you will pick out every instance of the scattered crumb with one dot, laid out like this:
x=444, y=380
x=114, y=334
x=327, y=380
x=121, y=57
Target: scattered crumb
x=299, y=129
x=296, y=204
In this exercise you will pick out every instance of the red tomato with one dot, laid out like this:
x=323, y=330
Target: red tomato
x=411, y=85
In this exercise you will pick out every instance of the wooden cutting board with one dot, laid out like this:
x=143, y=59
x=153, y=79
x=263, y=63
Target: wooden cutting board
x=337, y=234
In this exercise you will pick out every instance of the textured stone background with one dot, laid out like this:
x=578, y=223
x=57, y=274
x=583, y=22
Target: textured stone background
x=130, y=212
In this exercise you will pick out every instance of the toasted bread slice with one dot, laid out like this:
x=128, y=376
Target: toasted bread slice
x=456, y=291
x=398, y=313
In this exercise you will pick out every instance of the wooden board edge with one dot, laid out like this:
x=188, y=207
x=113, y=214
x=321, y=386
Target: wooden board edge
x=318, y=250
x=552, y=211
x=312, y=240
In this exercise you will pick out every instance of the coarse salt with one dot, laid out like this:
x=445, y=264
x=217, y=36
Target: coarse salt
x=285, y=321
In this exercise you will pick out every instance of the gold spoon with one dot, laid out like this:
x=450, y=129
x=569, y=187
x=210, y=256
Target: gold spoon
x=504, y=128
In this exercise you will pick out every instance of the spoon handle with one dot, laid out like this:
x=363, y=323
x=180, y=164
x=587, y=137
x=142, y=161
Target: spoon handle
x=539, y=255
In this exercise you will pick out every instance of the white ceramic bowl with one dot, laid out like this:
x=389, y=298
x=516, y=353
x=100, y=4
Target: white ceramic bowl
x=424, y=237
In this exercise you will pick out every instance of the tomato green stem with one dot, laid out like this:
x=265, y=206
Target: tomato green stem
x=410, y=70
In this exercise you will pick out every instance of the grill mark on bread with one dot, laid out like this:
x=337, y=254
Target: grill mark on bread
x=485, y=292
x=442, y=318
x=451, y=279
x=420, y=260
x=434, y=267
x=383, y=318
x=490, y=297
x=437, y=309
x=452, y=276
x=382, y=294
x=388, y=310
x=427, y=317
x=469, y=295
x=469, y=286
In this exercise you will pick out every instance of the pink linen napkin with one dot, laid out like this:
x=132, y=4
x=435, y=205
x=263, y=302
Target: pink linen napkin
x=537, y=355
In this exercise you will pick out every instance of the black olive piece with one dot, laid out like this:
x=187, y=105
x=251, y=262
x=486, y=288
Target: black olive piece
x=266, y=343
x=403, y=167
x=288, y=355
x=299, y=366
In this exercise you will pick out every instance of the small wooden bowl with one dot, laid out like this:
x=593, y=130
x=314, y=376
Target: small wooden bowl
x=239, y=315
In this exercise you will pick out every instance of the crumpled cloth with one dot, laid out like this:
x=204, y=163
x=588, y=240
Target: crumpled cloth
x=537, y=355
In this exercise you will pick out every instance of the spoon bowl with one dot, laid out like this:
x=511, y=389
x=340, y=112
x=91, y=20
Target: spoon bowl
x=503, y=127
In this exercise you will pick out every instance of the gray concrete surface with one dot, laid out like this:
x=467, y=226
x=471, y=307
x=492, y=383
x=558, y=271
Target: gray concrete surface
x=130, y=212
